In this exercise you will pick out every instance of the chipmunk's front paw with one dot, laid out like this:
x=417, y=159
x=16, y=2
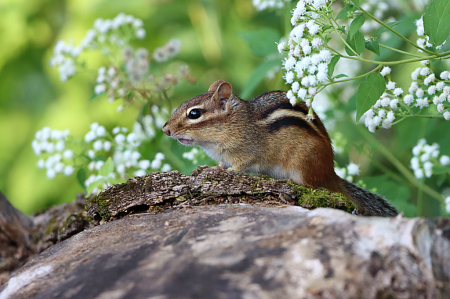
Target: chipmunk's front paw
x=234, y=169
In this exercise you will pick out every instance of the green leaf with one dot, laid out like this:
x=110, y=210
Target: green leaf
x=332, y=64
x=93, y=97
x=94, y=185
x=436, y=21
x=344, y=12
x=368, y=93
x=357, y=43
x=390, y=25
x=373, y=46
x=258, y=75
x=355, y=25
x=439, y=169
x=441, y=179
x=81, y=177
x=128, y=96
x=144, y=110
x=99, y=158
x=340, y=76
x=261, y=41
x=107, y=168
x=356, y=2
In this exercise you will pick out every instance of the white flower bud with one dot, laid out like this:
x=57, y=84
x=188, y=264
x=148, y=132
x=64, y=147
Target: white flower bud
x=98, y=145
x=68, y=154
x=444, y=160
x=68, y=170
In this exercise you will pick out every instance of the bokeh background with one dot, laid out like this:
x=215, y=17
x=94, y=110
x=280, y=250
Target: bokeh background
x=215, y=46
x=32, y=96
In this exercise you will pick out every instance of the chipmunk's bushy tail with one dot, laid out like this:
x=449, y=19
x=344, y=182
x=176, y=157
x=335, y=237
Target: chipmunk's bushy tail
x=368, y=203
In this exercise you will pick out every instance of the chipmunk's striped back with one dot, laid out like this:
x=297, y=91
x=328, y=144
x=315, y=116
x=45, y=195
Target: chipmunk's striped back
x=277, y=111
x=305, y=138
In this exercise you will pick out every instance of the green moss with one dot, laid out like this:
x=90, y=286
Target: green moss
x=155, y=209
x=72, y=218
x=102, y=206
x=253, y=187
x=50, y=227
x=263, y=177
x=320, y=198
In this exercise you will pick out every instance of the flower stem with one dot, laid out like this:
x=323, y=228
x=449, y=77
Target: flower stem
x=355, y=78
x=334, y=24
x=434, y=57
x=393, y=31
x=424, y=116
x=400, y=51
x=420, y=201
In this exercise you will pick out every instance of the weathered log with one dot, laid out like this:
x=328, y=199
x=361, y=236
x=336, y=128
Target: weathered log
x=244, y=251
x=22, y=237
x=218, y=234
x=15, y=238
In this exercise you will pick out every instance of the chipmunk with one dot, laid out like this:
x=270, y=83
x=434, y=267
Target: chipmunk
x=267, y=135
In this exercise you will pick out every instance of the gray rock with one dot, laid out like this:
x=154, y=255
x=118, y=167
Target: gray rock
x=244, y=251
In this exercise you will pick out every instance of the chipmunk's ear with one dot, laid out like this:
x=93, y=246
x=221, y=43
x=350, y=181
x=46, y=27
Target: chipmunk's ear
x=215, y=85
x=223, y=94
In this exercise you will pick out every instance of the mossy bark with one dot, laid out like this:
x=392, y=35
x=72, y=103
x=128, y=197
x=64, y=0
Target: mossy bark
x=204, y=187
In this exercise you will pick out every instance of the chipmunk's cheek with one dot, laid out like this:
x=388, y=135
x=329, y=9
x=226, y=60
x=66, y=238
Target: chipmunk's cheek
x=186, y=141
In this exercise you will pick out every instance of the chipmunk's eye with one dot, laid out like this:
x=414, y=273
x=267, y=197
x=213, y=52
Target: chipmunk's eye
x=194, y=113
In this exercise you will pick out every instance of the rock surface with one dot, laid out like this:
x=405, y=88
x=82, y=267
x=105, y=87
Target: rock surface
x=244, y=251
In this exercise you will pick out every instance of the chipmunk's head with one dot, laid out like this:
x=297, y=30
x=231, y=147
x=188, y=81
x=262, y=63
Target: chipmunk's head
x=203, y=119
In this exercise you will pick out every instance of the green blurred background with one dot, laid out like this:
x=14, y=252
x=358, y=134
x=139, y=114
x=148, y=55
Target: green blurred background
x=32, y=96
x=213, y=34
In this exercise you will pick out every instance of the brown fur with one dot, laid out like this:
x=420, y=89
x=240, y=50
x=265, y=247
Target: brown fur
x=265, y=135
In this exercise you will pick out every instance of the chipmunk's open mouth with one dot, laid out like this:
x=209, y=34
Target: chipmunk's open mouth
x=186, y=141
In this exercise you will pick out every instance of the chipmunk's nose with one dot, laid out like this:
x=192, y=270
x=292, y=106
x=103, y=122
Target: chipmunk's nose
x=166, y=131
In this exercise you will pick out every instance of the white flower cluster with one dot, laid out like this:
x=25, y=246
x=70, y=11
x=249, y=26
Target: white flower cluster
x=123, y=147
x=425, y=89
x=170, y=50
x=117, y=32
x=266, y=4
x=64, y=59
x=192, y=155
x=99, y=144
x=425, y=157
x=109, y=81
x=307, y=62
x=382, y=112
x=423, y=40
x=51, y=144
x=126, y=153
x=348, y=172
x=137, y=64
